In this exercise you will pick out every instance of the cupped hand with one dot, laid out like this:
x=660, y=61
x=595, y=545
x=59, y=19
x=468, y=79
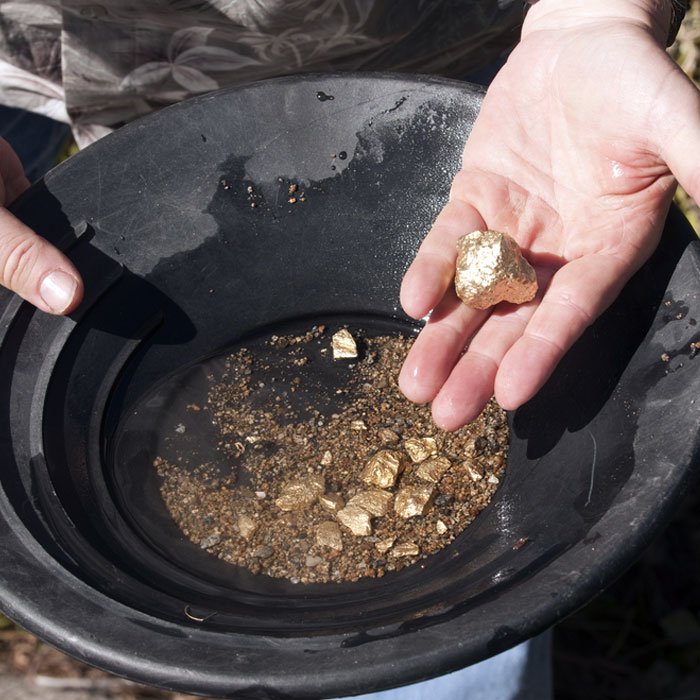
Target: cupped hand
x=30, y=265
x=573, y=154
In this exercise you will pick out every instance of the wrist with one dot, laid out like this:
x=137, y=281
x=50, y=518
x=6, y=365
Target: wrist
x=660, y=17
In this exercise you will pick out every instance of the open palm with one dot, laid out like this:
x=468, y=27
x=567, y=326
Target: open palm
x=573, y=154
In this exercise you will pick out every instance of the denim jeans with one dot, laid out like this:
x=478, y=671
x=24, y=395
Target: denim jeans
x=36, y=139
x=521, y=673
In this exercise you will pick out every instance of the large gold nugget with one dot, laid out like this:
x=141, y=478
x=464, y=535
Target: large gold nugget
x=491, y=269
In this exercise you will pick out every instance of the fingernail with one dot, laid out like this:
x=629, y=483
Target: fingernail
x=57, y=290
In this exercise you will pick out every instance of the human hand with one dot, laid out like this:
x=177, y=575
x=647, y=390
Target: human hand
x=30, y=265
x=573, y=154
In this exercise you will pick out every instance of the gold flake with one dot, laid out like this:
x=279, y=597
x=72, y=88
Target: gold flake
x=491, y=269
x=358, y=425
x=301, y=493
x=332, y=502
x=375, y=501
x=405, y=549
x=414, y=500
x=343, y=344
x=474, y=471
x=420, y=448
x=356, y=519
x=328, y=535
x=440, y=527
x=383, y=469
x=327, y=459
x=246, y=526
x=433, y=468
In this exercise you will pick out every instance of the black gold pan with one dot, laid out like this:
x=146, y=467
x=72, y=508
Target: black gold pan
x=182, y=226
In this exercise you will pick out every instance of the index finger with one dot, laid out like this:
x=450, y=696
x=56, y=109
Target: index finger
x=432, y=271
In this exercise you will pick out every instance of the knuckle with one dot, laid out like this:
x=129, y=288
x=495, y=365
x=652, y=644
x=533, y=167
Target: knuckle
x=549, y=346
x=568, y=301
x=19, y=260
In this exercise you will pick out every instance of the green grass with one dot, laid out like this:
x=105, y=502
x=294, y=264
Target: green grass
x=686, y=52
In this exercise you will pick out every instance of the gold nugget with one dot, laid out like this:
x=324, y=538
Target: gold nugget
x=301, y=493
x=375, y=501
x=246, y=526
x=420, y=449
x=355, y=519
x=388, y=436
x=433, y=468
x=383, y=469
x=343, y=344
x=328, y=535
x=414, y=500
x=383, y=546
x=491, y=269
x=332, y=502
x=405, y=549
x=475, y=471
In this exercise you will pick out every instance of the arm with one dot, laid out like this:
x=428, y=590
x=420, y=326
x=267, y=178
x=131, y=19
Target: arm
x=575, y=154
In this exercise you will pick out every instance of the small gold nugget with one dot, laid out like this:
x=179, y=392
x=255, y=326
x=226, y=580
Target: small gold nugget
x=405, y=549
x=332, y=502
x=383, y=469
x=299, y=494
x=433, y=468
x=383, y=546
x=414, y=500
x=246, y=526
x=375, y=501
x=356, y=519
x=491, y=269
x=419, y=449
x=328, y=535
x=344, y=345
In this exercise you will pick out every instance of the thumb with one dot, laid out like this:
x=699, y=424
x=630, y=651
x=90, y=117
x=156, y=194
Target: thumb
x=31, y=267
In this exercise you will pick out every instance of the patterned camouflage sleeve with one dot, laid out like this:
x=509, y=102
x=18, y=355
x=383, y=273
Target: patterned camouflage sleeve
x=678, y=10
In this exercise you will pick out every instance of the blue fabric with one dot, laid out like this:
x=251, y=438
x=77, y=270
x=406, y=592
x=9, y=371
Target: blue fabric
x=36, y=139
x=485, y=74
x=521, y=673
